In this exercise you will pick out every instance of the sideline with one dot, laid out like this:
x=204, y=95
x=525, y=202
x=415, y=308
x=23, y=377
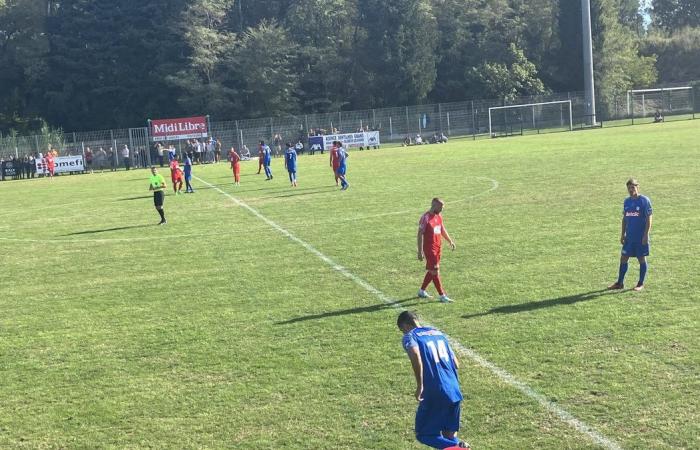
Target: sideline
x=504, y=376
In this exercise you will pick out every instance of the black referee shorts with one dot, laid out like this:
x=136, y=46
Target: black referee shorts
x=158, y=198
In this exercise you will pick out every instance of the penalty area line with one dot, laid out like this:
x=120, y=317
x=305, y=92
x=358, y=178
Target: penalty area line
x=501, y=374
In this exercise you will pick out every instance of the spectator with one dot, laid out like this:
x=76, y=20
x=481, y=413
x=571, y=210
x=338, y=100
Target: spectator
x=113, y=159
x=217, y=150
x=277, y=143
x=658, y=117
x=419, y=139
x=245, y=153
x=126, y=157
x=88, y=159
x=299, y=147
x=159, y=151
x=406, y=141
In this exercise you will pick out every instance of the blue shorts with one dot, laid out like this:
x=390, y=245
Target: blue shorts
x=341, y=170
x=435, y=416
x=635, y=249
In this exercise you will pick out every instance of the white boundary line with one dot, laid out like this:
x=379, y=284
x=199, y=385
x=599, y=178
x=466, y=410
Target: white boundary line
x=504, y=376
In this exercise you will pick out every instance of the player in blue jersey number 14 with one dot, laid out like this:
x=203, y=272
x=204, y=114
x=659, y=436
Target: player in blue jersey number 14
x=437, y=385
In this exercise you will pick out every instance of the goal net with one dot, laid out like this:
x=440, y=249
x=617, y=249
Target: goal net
x=666, y=101
x=516, y=119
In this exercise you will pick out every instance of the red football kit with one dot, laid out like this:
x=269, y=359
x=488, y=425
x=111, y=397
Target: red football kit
x=430, y=226
x=235, y=165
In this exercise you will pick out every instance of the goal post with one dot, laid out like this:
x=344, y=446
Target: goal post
x=668, y=101
x=514, y=119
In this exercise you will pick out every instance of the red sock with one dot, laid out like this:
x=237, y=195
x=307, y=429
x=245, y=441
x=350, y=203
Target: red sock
x=438, y=284
x=426, y=281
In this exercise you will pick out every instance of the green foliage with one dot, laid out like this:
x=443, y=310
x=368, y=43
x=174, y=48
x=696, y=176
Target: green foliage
x=265, y=60
x=514, y=78
x=678, y=54
x=671, y=15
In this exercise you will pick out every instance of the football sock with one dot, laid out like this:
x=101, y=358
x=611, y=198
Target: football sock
x=642, y=272
x=426, y=281
x=437, y=441
x=162, y=214
x=623, y=271
x=438, y=284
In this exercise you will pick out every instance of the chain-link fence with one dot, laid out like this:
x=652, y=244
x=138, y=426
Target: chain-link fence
x=112, y=149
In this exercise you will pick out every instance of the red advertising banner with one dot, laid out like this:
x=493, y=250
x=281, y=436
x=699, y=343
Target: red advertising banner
x=174, y=129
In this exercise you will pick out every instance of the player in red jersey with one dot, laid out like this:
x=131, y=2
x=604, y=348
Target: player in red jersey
x=261, y=158
x=235, y=165
x=50, y=164
x=430, y=233
x=335, y=162
x=176, y=176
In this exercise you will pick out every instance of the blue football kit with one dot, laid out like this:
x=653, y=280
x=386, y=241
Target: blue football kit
x=636, y=212
x=290, y=158
x=439, y=409
x=267, y=160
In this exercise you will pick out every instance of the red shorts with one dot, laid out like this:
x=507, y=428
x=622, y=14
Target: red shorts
x=432, y=260
x=177, y=179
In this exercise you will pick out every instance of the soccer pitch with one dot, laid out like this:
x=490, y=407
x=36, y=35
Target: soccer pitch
x=261, y=316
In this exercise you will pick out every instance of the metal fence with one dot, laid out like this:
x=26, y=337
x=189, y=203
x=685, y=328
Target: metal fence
x=469, y=118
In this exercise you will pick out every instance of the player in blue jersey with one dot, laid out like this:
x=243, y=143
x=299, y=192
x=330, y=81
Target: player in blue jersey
x=437, y=385
x=634, y=237
x=290, y=163
x=342, y=156
x=267, y=159
x=188, y=174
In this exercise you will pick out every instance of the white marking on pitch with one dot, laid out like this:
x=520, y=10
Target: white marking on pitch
x=504, y=376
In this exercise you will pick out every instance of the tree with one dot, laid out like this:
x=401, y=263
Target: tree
x=678, y=54
x=397, y=53
x=672, y=15
x=205, y=85
x=509, y=80
x=264, y=59
x=23, y=46
x=324, y=31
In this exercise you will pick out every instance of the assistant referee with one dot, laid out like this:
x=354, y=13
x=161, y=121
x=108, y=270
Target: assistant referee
x=157, y=185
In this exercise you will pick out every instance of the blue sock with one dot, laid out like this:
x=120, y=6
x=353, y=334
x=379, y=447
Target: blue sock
x=437, y=441
x=642, y=272
x=623, y=271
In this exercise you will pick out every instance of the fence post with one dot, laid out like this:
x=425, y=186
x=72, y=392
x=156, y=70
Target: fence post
x=440, y=116
x=374, y=120
x=473, y=122
x=693, y=94
x=391, y=130
x=408, y=124
x=448, y=124
x=340, y=122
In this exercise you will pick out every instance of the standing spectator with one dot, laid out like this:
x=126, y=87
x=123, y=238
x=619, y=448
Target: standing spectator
x=198, y=148
x=299, y=147
x=217, y=150
x=32, y=164
x=159, y=151
x=235, y=161
x=634, y=236
x=157, y=185
x=28, y=161
x=126, y=157
x=210, y=151
x=437, y=383
x=88, y=159
x=290, y=163
x=245, y=153
x=277, y=142
x=430, y=233
x=113, y=159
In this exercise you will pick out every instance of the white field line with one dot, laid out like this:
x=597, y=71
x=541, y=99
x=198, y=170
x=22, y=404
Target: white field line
x=501, y=374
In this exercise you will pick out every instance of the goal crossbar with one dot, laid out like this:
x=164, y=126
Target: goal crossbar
x=532, y=105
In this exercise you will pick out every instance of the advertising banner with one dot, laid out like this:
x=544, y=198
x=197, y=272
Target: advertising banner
x=64, y=164
x=175, y=129
x=353, y=140
x=316, y=144
x=10, y=169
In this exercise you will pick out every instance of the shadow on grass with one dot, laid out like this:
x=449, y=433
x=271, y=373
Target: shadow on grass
x=531, y=306
x=105, y=230
x=295, y=194
x=359, y=310
x=140, y=197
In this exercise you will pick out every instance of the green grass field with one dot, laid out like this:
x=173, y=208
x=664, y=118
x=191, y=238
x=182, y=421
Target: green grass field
x=220, y=331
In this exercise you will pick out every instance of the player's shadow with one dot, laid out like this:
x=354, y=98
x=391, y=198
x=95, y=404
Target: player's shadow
x=105, y=230
x=296, y=194
x=359, y=310
x=140, y=197
x=539, y=304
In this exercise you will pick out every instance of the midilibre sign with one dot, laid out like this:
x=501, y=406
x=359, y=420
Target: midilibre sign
x=175, y=129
